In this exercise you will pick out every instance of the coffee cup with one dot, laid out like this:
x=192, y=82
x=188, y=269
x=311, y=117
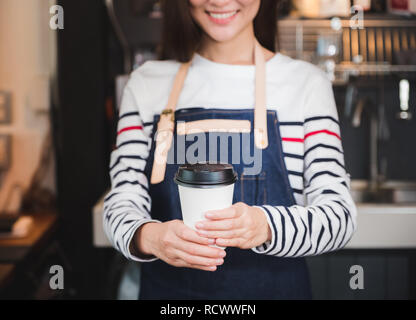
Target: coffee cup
x=204, y=187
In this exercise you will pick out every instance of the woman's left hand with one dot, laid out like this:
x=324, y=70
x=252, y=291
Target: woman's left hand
x=239, y=226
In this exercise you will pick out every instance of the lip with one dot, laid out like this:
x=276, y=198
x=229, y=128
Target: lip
x=222, y=21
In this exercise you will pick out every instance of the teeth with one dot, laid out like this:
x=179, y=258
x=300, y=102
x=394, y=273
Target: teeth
x=222, y=15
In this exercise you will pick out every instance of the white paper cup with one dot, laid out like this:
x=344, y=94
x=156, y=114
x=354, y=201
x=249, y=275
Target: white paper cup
x=203, y=188
x=195, y=202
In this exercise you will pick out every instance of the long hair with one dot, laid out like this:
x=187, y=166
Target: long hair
x=181, y=36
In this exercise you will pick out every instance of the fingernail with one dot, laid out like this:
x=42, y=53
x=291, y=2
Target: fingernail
x=200, y=225
x=220, y=261
x=211, y=241
x=222, y=254
x=213, y=268
x=209, y=215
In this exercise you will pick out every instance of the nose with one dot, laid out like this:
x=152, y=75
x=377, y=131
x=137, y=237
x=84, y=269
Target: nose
x=219, y=3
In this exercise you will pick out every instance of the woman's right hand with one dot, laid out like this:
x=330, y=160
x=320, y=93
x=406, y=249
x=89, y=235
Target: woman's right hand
x=178, y=245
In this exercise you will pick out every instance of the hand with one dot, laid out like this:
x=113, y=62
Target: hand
x=179, y=246
x=239, y=226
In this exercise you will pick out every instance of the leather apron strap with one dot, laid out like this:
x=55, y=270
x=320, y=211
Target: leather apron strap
x=166, y=124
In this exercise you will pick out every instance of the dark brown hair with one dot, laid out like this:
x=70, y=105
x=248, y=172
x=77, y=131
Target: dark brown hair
x=181, y=36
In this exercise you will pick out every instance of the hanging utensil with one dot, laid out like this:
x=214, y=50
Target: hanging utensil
x=404, y=90
x=350, y=99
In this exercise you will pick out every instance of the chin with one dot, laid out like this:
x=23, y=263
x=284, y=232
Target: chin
x=221, y=34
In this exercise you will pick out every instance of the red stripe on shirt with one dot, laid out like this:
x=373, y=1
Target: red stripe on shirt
x=293, y=139
x=322, y=131
x=130, y=128
x=311, y=134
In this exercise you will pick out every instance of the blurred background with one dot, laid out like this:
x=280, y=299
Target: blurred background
x=63, y=66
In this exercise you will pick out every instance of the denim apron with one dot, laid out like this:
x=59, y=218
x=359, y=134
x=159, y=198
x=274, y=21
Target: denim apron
x=244, y=274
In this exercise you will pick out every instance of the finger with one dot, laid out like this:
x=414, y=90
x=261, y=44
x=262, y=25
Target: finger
x=188, y=234
x=197, y=260
x=235, y=242
x=204, y=268
x=201, y=250
x=227, y=213
x=213, y=268
x=183, y=264
x=226, y=234
x=226, y=224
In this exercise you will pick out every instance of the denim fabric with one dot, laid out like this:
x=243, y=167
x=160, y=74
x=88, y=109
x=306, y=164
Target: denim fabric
x=244, y=274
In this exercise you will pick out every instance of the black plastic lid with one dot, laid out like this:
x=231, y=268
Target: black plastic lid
x=205, y=175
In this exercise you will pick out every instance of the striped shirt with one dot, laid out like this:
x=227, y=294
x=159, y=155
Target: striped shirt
x=324, y=217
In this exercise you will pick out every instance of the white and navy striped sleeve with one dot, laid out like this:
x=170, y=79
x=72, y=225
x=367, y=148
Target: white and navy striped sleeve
x=326, y=218
x=127, y=205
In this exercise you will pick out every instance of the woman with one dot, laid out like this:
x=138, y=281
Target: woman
x=220, y=63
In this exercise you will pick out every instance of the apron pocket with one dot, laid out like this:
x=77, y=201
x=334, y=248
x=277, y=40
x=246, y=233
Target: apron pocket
x=253, y=189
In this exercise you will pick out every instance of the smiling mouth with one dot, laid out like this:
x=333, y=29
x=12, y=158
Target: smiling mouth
x=222, y=15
